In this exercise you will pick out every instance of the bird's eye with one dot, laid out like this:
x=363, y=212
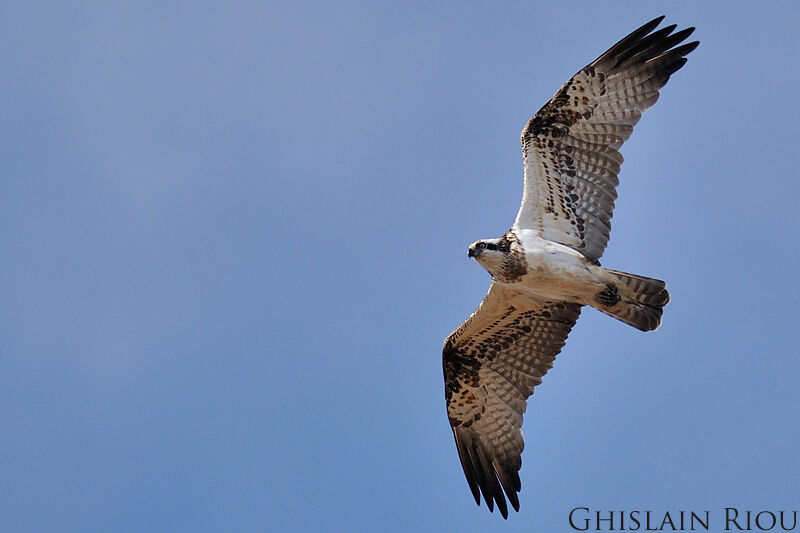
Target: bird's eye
x=481, y=245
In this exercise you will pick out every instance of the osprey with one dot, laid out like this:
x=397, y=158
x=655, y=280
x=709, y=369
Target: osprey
x=545, y=268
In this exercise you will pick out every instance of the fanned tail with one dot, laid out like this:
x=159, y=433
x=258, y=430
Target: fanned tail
x=635, y=300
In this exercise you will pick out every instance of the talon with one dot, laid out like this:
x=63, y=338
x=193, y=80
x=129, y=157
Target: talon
x=609, y=296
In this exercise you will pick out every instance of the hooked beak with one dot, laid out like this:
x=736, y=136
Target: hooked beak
x=473, y=252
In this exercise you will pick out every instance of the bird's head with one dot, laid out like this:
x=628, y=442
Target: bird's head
x=490, y=253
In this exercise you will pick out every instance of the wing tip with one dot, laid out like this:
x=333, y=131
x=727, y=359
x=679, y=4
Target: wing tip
x=484, y=476
x=651, y=25
x=645, y=44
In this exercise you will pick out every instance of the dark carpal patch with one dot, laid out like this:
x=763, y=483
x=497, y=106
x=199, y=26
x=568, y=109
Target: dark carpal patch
x=461, y=362
x=460, y=365
x=566, y=108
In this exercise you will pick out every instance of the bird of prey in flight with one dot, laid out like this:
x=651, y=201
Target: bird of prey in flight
x=546, y=267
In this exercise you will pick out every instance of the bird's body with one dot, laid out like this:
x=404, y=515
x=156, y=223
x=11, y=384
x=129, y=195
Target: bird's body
x=546, y=267
x=553, y=272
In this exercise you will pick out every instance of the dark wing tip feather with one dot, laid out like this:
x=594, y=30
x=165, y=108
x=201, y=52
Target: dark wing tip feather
x=686, y=49
x=655, y=44
x=645, y=44
x=632, y=37
x=466, y=464
x=641, y=45
x=486, y=477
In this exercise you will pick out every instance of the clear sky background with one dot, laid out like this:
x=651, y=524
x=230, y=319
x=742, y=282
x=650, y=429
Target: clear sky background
x=234, y=238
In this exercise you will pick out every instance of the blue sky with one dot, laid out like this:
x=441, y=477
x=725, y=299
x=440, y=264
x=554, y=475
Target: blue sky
x=234, y=238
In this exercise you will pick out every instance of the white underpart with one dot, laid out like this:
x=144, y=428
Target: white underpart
x=556, y=272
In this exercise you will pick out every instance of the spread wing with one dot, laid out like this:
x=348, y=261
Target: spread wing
x=570, y=148
x=491, y=364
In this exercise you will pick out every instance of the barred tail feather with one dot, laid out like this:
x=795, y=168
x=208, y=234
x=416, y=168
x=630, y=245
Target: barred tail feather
x=641, y=300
